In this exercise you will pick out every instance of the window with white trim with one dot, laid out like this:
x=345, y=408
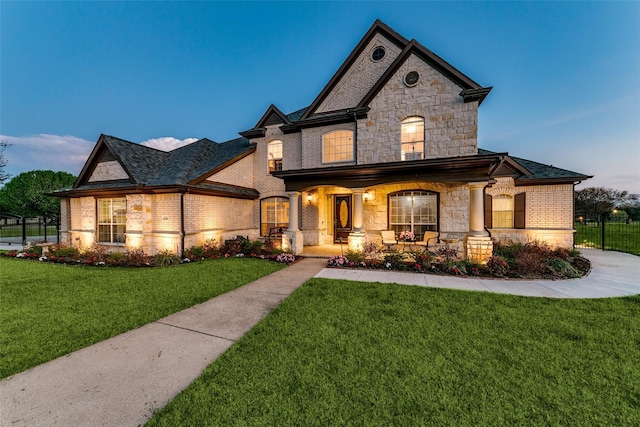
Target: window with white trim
x=274, y=212
x=112, y=220
x=412, y=138
x=274, y=155
x=502, y=211
x=337, y=146
x=414, y=210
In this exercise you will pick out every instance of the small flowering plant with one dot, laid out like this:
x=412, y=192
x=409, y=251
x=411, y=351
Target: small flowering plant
x=407, y=236
x=338, y=261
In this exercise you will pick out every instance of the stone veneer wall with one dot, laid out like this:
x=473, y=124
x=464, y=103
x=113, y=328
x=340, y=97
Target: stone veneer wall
x=451, y=126
x=548, y=213
x=108, y=171
x=83, y=221
x=362, y=75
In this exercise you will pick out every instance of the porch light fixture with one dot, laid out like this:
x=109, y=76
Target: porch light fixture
x=365, y=196
x=309, y=197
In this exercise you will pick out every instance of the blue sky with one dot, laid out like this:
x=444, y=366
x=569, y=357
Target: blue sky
x=566, y=76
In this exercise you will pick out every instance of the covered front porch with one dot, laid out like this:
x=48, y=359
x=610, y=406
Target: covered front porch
x=338, y=209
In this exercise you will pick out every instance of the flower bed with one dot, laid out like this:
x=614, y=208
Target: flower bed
x=99, y=255
x=534, y=260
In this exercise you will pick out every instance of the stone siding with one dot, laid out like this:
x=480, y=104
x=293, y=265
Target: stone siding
x=108, y=171
x=360, y=77
x=451, y=126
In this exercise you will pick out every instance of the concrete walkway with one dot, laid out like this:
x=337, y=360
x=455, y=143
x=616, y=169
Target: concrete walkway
x=121, y=381
x=613, y=274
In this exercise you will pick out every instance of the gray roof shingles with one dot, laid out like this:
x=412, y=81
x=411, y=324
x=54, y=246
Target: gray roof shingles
x=154, y=168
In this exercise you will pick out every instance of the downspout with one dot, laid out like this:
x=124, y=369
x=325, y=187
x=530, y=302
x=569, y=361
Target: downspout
x=484, y=209
x=355, y=139
x=182, y=232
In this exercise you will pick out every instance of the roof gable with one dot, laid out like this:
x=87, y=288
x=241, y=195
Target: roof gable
x=132, y=162
x=378, y=28
x=273, y=116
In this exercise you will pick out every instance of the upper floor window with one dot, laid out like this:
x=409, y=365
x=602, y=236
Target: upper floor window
x=337, y=146
x=412, y=138
x=112, y=220
x=274, y=154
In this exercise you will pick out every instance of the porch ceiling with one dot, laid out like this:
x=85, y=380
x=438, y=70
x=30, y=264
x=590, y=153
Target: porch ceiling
x=450, y=170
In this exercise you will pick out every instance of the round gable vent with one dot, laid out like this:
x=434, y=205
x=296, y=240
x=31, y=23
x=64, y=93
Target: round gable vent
x=411, y=79
x=378, y=53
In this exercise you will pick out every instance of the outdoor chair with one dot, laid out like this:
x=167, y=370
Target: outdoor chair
x=430, y=238
x=389, y=238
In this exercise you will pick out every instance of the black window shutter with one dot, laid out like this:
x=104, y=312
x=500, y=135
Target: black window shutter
x=519, y=211
x=488, y=211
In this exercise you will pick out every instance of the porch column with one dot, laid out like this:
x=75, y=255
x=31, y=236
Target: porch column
x=477, y=245
x=357, y=210
x=476, y=208
x=357, y=236
x=292, y=239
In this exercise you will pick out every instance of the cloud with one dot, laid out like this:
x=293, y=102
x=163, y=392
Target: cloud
x=167, y=143
x=46, y=152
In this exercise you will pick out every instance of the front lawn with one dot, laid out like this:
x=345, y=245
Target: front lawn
x=48, y=310
x=349, y=353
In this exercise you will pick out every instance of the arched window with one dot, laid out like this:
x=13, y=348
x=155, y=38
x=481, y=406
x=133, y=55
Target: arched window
x=274, y=212
x=502, y=211
x=337, y=146
x=274, y=155
x=412, y=138
x=414, y=210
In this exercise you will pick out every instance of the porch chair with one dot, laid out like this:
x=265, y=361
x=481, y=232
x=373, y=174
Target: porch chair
x=430, y=237
x=389, y=238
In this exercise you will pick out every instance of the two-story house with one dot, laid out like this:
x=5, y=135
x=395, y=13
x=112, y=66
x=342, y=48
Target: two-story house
x=390, y=143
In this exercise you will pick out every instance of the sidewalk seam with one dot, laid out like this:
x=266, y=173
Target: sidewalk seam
x=194, y=330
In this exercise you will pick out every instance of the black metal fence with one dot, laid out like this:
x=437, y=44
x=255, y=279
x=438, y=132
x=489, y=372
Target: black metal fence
x=18, y=230
x=611, y=231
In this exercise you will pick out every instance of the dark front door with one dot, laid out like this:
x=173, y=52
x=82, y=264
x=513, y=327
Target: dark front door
x=342, y=218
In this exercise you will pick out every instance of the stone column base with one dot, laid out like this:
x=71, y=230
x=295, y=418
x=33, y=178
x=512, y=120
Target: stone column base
x=478, y=248
x=356, y=241
x=293, y=241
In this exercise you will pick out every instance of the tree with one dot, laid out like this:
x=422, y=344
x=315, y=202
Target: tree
x=3, y=162
x=598, y=202
x=25, y=194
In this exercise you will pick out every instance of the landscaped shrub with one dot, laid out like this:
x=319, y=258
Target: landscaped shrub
x=530, y=263
x=235, y=246
x=564, y=268
x=136, y=258
x=64, y=251
x=497, y=266
x=166, y=258
x=194, y=253
x=394, y=261
x=34, y=250
x=355, y=256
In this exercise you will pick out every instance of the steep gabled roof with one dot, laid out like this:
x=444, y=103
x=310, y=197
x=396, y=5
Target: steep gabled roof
x=149, y=169
x=139, y=162
x=272, y=116
x=471, y=91
x=378, y=27
x=539, y=173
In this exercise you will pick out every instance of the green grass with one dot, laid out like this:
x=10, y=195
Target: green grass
x=348, y=353
x=618, y=236
x=32, y=231
x=48, y=310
